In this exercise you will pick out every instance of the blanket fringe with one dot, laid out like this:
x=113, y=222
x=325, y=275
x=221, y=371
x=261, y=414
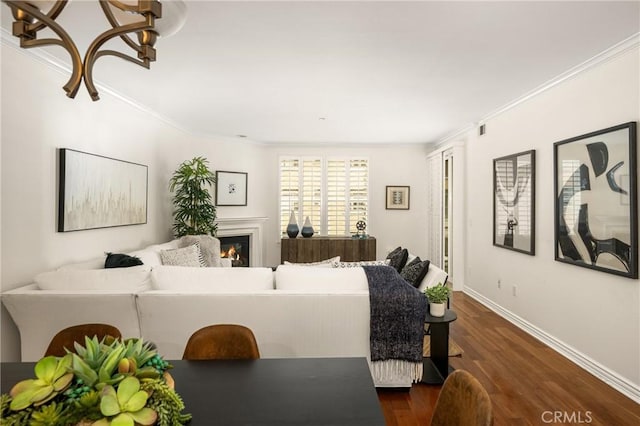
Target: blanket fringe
x=394, y=370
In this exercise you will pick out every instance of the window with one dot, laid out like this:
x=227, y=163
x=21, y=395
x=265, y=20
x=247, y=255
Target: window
x=333, y=193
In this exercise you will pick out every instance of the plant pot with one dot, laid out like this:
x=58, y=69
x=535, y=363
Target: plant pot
x=437, y=309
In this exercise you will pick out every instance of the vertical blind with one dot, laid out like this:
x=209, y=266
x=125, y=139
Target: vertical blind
x=334, y=194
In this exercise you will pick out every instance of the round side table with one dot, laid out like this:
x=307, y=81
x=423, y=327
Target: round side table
x=436, y=367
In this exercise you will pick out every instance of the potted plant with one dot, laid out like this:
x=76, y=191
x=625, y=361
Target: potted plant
x=194, y=213
x=106, y=382
x=437, y=297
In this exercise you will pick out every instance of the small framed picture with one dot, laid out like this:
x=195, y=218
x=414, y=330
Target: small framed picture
x=397, y=198
x=231, y=188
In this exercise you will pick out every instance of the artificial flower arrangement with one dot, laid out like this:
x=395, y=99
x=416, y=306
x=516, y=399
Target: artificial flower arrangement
x=107, y=382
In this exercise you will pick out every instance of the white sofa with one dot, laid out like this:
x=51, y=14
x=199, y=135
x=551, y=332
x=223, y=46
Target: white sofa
x=296, y=311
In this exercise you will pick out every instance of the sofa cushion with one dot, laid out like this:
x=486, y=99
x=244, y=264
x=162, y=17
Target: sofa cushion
x=133, y=279
x=314, y=279
x=97, y=263
x=209, y=247
x=415, y=273
x=211, y=280
x=121, y=260
x=360, y=263
x=327, y=263
x=186, y=256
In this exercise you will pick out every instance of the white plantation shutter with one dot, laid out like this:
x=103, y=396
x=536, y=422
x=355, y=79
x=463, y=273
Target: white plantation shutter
x=334, y=195
x=289, y=191
x=311, y=190
x=358, y=192
x=337, y=197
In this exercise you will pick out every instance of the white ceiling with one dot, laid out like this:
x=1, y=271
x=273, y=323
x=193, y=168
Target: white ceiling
x=376, y=72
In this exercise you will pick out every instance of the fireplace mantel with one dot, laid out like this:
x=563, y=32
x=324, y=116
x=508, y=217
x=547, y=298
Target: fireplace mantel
x=251, y=226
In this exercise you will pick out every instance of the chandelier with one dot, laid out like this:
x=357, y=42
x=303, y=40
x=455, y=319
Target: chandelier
x=29, y=20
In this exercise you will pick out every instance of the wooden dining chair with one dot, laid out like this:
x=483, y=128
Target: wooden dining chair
x=222, y=341
x=463, y=401
x=65, y=338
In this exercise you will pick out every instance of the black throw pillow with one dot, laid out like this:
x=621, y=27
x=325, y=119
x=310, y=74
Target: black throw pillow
x=120, y=260
x=414, y=274
x=413, y=262
x=398, y=260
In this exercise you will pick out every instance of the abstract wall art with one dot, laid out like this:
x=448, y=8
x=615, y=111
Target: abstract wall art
x=514, y=188
x=596, y=200
x=99, y=192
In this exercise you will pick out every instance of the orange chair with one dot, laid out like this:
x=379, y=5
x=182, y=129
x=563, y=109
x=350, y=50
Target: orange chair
x=463, y=401
x=66, y=337
x=222, y=341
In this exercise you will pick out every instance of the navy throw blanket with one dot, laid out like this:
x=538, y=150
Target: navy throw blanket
x=397, y=316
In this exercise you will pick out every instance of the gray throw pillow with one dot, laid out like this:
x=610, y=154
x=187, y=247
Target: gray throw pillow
x=414, y=274
x=186, y=256
x=209, y=247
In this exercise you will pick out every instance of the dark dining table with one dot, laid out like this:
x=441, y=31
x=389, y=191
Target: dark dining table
x=292, y=391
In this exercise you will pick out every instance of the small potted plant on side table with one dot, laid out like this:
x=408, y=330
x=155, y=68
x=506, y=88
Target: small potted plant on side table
x=437, y=297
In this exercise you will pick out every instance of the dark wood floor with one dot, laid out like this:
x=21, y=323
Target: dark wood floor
x=524, y=378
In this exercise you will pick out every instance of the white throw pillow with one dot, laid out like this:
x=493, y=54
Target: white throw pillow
x=187, y=256
x=133, y=279
x=211, y=280
x=361, y=263
x=327, y=263
x=290, y=277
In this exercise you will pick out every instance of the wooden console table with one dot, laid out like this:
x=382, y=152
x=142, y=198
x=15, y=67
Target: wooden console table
x=314, y=249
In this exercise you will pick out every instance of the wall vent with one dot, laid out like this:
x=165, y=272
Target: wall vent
x=482, y=130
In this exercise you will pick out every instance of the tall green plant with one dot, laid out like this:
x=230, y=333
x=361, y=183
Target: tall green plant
x=194, y=213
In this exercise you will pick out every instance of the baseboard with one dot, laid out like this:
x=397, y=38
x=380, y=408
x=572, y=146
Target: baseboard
x=611, y=378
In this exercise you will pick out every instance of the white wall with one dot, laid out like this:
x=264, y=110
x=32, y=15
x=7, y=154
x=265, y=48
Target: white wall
x=400, y=165
x=37, y=118
x=561, y=300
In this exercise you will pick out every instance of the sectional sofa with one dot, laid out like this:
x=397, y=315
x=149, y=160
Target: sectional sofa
x=294, y=311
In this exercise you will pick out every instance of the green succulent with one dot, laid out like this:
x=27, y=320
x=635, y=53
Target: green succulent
x=126, y=406
x=49, y=415
x=53, y=376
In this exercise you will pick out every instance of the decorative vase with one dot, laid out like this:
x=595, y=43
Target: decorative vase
x=292, y=227
x=436, y=309
x=307, y=229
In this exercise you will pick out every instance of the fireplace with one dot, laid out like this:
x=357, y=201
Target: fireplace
x=236, y=248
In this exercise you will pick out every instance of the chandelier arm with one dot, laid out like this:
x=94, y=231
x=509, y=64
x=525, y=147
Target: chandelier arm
x=92, y=52
x=122, y=6
x=143, y=63
x=52, y=14
x=71, y=87
x=115, y=24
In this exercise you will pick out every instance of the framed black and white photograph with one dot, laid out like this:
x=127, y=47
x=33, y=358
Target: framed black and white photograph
x=514, y=194
x=231, y=188
x=397, y=198
x=99, y=192
x=596, y=200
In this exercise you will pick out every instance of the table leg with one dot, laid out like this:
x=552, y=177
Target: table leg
x=436, y=367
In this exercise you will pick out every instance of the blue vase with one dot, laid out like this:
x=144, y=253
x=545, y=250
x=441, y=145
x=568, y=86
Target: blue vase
x=292, y=227
x=307, y=229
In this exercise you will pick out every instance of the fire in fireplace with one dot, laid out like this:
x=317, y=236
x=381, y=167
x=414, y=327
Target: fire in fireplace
x=235, y=248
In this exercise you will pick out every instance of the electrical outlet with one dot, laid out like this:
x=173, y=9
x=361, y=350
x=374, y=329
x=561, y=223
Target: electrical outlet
x=499, y=284
x=514, y=290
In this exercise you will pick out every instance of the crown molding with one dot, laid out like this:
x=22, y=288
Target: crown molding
x=609, y=54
